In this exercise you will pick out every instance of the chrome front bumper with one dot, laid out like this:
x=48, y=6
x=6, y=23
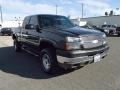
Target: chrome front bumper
x=69, y=62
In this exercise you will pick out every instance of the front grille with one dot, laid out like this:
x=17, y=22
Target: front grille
x=92, y=41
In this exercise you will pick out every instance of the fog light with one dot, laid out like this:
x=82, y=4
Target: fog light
x=104, y=42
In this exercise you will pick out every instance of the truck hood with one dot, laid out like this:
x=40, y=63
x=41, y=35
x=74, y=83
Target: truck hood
x=81, y=31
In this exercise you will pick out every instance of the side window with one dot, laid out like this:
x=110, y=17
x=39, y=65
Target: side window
x=40, y=21
x=33, y=20
x=26, y=21
x=109, y=26
x=46, y=21
x=103, y=26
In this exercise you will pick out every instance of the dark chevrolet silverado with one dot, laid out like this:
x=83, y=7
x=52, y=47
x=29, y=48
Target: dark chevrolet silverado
x=57, y=41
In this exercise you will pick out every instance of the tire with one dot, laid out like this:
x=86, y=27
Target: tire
x=110, y=33
x=48, y=60
x=118, y=34
x=17, y=46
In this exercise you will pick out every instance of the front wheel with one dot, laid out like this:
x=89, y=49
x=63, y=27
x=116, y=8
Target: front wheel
x=17, y=46
x=48, y=60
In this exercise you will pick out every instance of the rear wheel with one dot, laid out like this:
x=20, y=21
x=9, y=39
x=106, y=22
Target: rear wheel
x=48, y=60
x=118, y=34
x=17, y=46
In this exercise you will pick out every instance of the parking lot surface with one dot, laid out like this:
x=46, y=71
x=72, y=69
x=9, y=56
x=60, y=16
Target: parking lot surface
x=21, y=71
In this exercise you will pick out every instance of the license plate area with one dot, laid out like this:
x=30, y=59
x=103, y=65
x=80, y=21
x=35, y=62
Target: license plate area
x=97, y=58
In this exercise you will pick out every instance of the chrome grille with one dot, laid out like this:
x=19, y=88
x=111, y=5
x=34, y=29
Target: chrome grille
x=92, y=41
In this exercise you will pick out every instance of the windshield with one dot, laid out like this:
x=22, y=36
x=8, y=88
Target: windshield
x=55, y=21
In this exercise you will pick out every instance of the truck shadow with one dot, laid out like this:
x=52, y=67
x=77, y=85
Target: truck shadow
x=24, y=65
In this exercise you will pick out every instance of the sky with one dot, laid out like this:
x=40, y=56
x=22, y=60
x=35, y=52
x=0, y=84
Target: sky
x=73, y=8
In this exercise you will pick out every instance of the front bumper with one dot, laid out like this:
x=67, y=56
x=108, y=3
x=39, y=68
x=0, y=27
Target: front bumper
x=81, y=57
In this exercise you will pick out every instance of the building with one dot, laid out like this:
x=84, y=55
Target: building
x=98, y=21
x=78, y=22
x=75, y=21
x=11, y=24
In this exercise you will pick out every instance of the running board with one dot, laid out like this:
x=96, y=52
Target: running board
x=30, y=52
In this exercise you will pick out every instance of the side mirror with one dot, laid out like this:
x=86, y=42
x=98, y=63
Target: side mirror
x=37, y=28
x=29, y=26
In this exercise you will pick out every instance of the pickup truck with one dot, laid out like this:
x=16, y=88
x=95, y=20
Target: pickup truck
x=58, y=42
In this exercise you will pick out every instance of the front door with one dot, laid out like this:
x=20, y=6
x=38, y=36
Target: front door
x=33, y=35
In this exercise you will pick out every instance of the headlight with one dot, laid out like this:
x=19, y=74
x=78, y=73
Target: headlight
x=73, y=43
x=104, y=40
x=73, y=39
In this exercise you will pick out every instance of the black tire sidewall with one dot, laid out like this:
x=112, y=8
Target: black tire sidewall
x=18, y=46
x=53, y=62
x=118, y=34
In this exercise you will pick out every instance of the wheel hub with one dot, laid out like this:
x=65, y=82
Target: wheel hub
x=46, y=61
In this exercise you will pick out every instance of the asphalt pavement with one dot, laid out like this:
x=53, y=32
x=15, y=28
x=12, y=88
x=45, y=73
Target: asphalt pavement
x=21, y=71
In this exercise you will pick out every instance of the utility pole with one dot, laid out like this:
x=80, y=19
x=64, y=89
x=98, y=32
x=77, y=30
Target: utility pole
x=1, y=14
x=56, y=9
x=82, y=10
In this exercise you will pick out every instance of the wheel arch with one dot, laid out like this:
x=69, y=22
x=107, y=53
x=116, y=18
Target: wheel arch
x=46, y=44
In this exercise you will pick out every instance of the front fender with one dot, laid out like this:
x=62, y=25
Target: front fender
x=52, y=42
